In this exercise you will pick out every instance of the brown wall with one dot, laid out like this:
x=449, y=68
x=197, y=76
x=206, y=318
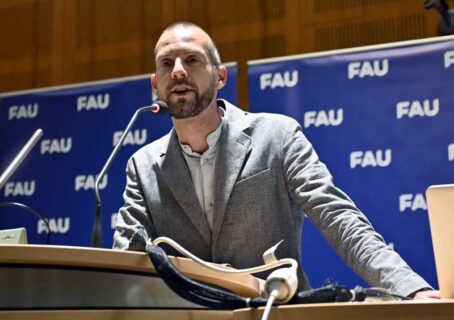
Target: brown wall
x=52, y=42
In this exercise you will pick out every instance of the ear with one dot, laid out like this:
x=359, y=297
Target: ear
x=153, y=84
x=222, y=77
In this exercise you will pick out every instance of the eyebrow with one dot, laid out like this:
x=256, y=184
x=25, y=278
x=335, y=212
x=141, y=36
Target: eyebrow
x=186, y=53
x=169, y=53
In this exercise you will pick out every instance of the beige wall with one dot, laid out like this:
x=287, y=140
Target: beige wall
x=52, y=42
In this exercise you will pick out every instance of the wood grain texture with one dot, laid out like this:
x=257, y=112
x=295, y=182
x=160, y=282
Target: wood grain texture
x=53, y=42
x=390, y=310
x=117, y=314
x=125, y=261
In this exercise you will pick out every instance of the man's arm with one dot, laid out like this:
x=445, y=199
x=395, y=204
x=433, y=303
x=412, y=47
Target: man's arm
x=133, y=226
x=341, y=223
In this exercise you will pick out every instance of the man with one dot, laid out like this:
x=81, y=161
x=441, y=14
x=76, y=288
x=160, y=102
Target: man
x=227, y=184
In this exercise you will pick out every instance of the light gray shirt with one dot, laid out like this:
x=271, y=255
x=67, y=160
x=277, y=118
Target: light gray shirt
x=202, y=168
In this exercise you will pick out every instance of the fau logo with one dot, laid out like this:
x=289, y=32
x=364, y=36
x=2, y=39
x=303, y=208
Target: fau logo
x=451, y=152
x=20, y=188
x=411, y=109
x=279, y=80
x=136, y=137
x=28, y=111
x=449, y=59
x=86, y=182
x=370, y=158
x=59, y=225
x=376, y=68
x=62, y=145
x=412, y=201
x=324, y=118
x=97, y=102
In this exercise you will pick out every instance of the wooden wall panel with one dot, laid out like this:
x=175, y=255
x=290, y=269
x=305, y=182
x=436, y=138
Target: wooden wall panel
x=352, y=34
x=52, y=42
x=25, y=36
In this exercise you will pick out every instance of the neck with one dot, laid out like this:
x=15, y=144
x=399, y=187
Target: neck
x=194, y=131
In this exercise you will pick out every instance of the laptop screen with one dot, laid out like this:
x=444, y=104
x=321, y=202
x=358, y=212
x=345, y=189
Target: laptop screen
x=440, y=202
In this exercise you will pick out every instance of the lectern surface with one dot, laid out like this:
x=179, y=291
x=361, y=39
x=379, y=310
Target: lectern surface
x=442, y=310
x=57, y=277
x=66, y=283
x=389, y=310
x=117, y=315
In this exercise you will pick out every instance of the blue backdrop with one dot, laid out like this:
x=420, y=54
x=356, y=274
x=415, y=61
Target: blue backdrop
x=81, y=123
x=381, y=118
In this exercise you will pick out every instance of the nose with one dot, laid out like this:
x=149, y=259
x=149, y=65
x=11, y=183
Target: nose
x=179, y=71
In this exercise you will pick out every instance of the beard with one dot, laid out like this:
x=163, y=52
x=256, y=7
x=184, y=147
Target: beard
x=184, y=108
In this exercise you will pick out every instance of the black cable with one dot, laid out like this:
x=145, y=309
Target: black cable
x=329, y=293
x=378, y=292
x=339, y=293
x=217, y=298
x=31, y=210
x=193, y=291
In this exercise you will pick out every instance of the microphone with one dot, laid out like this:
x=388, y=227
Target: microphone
x=20, y=157
x=157, y=107
x=160, y=107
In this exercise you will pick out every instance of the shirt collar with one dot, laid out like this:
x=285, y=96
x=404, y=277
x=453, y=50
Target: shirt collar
x=212, y=139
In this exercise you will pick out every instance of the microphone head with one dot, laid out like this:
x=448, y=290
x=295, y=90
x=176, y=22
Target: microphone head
x=160, y=107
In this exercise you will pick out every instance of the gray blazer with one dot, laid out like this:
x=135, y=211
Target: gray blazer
x=267, y=176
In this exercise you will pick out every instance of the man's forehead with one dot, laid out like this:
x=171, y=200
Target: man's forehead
x=182, y=37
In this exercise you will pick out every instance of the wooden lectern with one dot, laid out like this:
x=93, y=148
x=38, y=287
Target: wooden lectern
x=43, y=282
x=56, y=282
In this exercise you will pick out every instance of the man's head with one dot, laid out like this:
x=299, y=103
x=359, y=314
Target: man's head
x=188, y=70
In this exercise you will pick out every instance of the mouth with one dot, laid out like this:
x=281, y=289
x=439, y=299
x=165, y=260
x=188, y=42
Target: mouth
x=181, y=90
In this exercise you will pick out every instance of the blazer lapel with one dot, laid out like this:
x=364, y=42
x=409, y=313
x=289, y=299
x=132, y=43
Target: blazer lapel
x=232, y=153
x=176, y=173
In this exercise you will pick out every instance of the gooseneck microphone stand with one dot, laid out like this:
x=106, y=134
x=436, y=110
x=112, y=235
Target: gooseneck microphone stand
x=157, y=107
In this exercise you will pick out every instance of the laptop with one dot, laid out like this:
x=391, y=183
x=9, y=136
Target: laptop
x=440, y=202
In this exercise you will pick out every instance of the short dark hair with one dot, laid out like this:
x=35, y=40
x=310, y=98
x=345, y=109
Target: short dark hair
x=211, y=50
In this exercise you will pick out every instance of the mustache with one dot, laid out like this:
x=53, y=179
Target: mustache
x=181, y=82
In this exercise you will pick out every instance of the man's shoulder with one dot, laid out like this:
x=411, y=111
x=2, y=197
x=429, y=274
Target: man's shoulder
x=271, y=119
x=257, y=119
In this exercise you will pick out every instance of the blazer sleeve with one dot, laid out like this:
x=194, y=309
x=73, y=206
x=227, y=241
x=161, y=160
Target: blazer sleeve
x=344, y=226
x=133, y=226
